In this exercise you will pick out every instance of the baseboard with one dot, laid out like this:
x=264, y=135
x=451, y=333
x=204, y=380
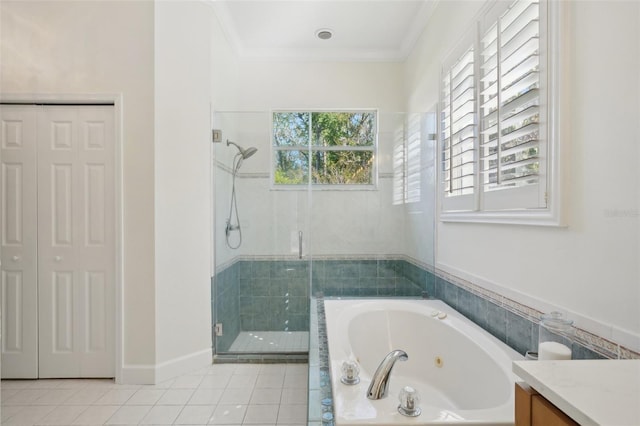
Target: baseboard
x=145, y=374
x=138, y=375
x=184, y=364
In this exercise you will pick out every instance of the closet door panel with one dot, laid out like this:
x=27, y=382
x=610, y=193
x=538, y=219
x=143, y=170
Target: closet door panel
x=77, y=241
x=96, y=156
x=58, y=191
x=18, y=251
x=57, y=223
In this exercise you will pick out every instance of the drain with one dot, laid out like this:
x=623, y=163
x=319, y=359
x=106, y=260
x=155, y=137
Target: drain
x=438, y=362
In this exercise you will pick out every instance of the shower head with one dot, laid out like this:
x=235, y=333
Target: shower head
x=245, y=153
x=249, y=152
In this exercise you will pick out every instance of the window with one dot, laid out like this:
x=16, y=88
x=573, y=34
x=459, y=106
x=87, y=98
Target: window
x=326, y=148
x=459, y=131
x=408, y=161
x=414, y=158
x=498, y=107
x=399, y=178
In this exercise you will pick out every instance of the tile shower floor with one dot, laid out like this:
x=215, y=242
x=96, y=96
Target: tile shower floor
x=271, y=341
x=222, y=394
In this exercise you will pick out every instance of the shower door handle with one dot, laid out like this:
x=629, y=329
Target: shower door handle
x=299, y=244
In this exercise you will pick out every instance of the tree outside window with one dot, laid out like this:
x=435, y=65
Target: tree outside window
x=330, y=148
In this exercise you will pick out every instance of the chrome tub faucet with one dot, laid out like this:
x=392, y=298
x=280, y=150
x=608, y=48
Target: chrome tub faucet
x=380, y=380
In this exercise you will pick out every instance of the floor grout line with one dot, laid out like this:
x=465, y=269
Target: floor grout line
x=40, y=413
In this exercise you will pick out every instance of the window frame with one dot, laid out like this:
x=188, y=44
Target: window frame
x=310, y=148
x=555, y=96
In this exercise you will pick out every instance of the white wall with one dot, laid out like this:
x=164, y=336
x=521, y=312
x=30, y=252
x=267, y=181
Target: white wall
x=99, y=47
x=591, y=268
x=183, y=190
x=157, y=58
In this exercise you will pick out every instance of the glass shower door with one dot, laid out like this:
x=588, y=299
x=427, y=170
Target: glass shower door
x=261, y=285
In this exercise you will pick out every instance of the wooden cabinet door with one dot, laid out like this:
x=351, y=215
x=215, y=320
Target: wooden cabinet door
x=532, y=409
x=544, y=413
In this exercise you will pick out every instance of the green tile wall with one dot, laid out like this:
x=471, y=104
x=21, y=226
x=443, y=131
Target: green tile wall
x=267, y=295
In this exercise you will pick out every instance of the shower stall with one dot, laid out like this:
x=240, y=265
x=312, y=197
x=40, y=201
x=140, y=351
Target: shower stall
x=281, y=242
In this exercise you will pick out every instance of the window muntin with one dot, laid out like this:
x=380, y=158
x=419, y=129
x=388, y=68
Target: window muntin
x=330, y=148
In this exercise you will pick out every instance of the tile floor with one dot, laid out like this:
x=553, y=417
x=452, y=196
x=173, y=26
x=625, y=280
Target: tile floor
x=271, y=341
x=222, y=394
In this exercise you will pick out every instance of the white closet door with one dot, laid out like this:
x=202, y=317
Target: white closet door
x=18, y=221
x=76, y=241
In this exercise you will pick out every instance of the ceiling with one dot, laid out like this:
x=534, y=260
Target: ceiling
x=363, y=30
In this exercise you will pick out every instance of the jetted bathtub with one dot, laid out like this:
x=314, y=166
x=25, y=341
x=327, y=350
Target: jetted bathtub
x=462, y=373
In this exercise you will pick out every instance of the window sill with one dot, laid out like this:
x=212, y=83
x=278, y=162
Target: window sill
x=511, y=217
x=324, y=187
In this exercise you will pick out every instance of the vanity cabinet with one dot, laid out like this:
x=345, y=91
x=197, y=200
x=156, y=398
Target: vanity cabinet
x=532, y=409
x=588, y=392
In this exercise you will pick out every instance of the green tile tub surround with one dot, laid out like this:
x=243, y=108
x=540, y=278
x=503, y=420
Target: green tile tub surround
x=516, y=331
x=364, y=278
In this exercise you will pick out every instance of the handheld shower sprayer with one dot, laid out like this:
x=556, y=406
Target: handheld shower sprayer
x=237, y=161
x=245, y=153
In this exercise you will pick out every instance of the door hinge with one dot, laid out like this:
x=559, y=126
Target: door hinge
x=218, y=329
x=216, y=135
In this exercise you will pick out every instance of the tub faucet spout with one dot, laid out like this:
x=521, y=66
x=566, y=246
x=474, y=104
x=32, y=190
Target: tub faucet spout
x=380, y=381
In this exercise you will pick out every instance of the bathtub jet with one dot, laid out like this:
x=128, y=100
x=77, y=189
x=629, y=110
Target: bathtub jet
x=379, y=386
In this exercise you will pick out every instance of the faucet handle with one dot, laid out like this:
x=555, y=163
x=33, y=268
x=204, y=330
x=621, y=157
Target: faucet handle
x=350, y=372
x=409, y=401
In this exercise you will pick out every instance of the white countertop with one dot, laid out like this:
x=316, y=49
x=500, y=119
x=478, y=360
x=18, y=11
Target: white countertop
x=591, y=392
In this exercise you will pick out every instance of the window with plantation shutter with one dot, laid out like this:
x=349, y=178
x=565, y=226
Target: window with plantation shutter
x=398, y=174
x=407, y=162
x=414, y=157
x=499, y=116
x=459, y=131
x=511, y=144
